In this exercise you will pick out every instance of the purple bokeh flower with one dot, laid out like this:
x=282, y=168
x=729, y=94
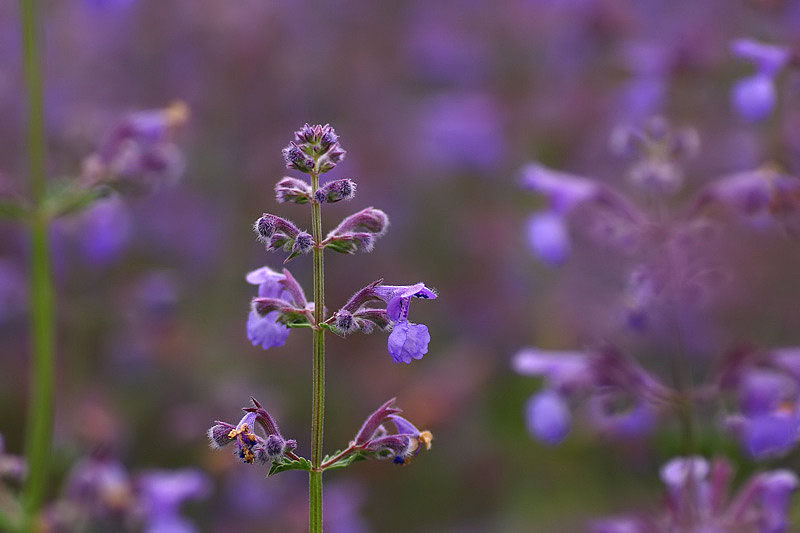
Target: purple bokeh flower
x=161, y=494
x=698, y=501
x=622, y=399
x=754, y=97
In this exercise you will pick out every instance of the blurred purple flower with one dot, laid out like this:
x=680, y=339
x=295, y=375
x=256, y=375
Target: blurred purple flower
x=139, y=151
x=462, y=133
x=12, y=467
x=754, y=97
x=548, y=416
x=549, y=237
x=698, y=501
x=104, y=230
x=161, y=494
x=768, y=397
x=605, y=378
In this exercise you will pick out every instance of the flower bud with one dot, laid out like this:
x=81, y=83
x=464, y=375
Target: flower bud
x=297, y=159
x=293, y=190
x=334, y=191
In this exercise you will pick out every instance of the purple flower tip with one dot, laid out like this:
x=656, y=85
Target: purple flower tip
x=548, y=417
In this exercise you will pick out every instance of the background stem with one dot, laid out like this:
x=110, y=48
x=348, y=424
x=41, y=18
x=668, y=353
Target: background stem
x=40, y=409
x=318, y=402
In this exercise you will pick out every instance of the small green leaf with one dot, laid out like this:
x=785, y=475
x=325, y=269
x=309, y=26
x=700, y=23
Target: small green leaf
x=65, y=198
x=287, y=464
x=345, y=461
x=342, y=246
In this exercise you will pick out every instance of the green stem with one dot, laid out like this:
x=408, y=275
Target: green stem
x=40, y=410
x=318, y=403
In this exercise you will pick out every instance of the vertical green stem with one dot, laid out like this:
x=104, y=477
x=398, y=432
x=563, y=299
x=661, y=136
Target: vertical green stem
x=318, y=404
x=40, y=410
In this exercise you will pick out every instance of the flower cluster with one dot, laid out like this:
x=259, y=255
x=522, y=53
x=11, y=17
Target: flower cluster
x=101, y=494
x=138, y=153
x=250, y=446
x=621, y=398
x=698, y=500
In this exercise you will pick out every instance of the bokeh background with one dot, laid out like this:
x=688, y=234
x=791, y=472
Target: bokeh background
x=439, y=104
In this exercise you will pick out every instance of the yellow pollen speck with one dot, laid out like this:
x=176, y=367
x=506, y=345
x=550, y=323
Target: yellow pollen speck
x=177, y=113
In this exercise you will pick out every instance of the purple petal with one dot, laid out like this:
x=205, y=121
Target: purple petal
x=266, y=331
x=263, y=275
x=404, y=427
x=768, y=58
x=777, y=489
x=564, y=191
x=769, y=435
x=408, y=341
x=754, y=97
x=548, y=417
x=549, y=237
x=562, y=368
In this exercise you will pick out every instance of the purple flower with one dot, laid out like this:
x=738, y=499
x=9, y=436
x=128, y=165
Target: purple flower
x=139, y=151
x=407, y=340
x=161, y=494
x=754, y=97
x=250, y=446
x=698, y=501
x=549, y=237
x=401, y=446
x=104, y=230
x=265, y=330
x=280, y=301
x=760, y=196
x=548, y=416
x=605, y=378
x=768, y=422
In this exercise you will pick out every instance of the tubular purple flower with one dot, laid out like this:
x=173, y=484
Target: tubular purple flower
x=374, y=421
x=754, y=97
x=565, y=370
x=274, y=298
x=407, y=341
x=769, y=59
x=139, y=152
x=564, y=191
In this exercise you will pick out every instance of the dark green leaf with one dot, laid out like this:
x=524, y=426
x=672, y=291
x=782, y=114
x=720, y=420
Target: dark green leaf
x=287, y=464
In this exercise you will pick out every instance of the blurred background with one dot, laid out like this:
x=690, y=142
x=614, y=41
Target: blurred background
x=438, y=104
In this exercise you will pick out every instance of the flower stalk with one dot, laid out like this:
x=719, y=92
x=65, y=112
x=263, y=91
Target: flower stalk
x=42, y=314
x=318, y=377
